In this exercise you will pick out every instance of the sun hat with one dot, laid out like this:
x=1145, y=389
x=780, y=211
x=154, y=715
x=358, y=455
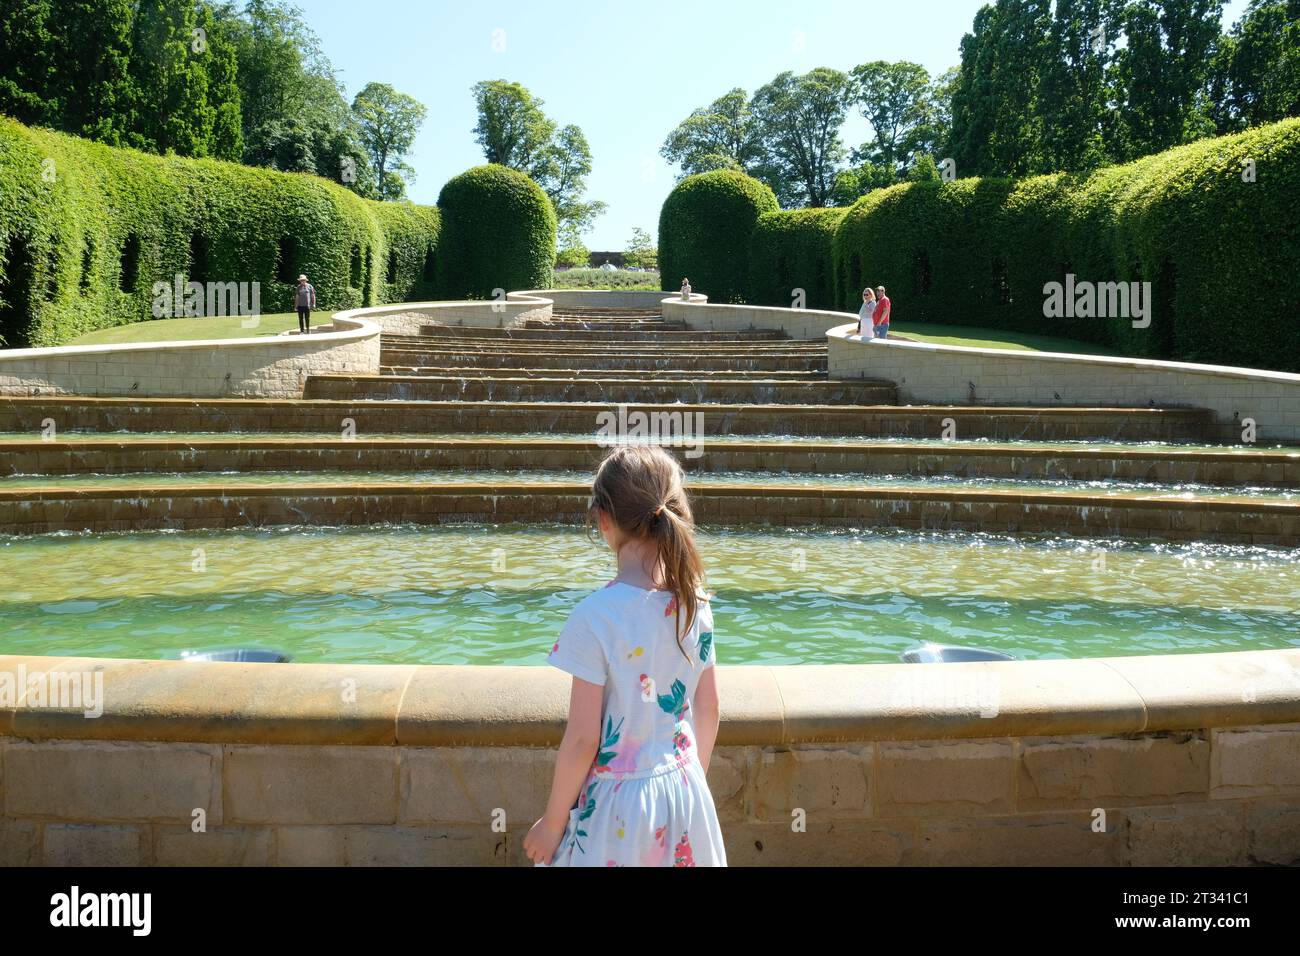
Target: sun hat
x=302, y=278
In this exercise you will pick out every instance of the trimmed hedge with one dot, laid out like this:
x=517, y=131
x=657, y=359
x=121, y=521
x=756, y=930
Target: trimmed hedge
x=704, y=232
x=791, y=250
x=498, y=232
x=411, y=236
x=86, y=230
x=1222, y=254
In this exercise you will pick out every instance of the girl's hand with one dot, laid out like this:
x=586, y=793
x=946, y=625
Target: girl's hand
x=542, y=839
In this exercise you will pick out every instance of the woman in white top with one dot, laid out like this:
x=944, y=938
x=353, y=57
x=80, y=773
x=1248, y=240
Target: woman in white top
x=865, y=327
x=686, y=289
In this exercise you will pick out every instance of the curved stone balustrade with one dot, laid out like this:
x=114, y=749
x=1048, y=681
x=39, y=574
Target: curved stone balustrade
x=263, y=367
x=939, y=374
x=1194, y=758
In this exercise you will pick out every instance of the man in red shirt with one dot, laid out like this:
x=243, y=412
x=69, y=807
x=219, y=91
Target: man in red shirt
x=880, y=318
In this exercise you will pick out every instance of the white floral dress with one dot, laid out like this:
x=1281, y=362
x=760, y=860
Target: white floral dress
x=646, y=801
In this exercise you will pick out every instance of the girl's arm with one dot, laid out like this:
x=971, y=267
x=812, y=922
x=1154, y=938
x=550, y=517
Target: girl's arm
x=706, y=710
x=577, y=753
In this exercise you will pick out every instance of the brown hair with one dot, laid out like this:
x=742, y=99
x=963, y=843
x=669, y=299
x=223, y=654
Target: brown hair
x=642, y=489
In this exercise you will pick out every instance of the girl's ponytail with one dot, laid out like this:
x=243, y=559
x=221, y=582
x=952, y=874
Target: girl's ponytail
x=674, y=534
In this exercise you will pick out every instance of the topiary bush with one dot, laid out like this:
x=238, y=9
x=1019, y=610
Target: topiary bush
x=87, y=231
x=1210, y=225
x=498, y=232
x=791, y=250
x=704, y=232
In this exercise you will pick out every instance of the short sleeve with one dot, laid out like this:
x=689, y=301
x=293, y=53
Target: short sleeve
x=708, y=646
x=578, y=651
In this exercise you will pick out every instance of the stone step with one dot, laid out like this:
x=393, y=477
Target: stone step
x=626, y=391
x=1164, y=465
x=605, y=315
x=1231, y=520
x=687, y=364
x=489, y=346
x=605, y=325
x=596, y=337
x=565, y=374
x=26, y=414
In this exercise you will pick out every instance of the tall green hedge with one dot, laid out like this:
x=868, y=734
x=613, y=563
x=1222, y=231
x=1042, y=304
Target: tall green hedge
x=704, y=232
x=87, y=230
x=1222, y=252
x=498, y=232
x=791, y=250
x=411, y=236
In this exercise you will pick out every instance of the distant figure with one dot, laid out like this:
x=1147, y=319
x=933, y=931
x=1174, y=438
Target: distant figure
x=866, y=315
x=686, y=290
x=882, y=313
x=609, y=267
x=305, y=299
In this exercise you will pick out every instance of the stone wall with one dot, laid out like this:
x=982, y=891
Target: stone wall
x=266, y=367
x=410, y=318
x=1186, y=760
x=796, y=323
x=927, y=373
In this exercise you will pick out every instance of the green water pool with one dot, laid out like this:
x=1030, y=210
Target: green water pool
x=498, y=594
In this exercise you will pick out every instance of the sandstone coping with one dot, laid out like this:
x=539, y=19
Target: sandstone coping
x=266, y=366
x=926, y=372
x=796, y=323
x=459, y=705
x=408, y=318
x=955, y=449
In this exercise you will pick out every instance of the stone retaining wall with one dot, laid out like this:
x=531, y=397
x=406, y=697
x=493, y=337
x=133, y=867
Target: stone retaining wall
x=265, y=367
x=796, y=323
x=1184, y=760
x=928, y=373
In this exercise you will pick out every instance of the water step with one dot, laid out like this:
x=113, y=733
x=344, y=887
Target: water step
x=587, y=336
x=614, y=325
x=723, y=347
x=524, y=389
x=692, y=375
x=1217, y=520
x=26, y=414
x=577, y=314
x=1239, y=468
x=760, y=363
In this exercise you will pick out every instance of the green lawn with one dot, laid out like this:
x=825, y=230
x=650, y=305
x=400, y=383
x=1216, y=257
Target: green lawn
x=211, y=327
x=976, y=337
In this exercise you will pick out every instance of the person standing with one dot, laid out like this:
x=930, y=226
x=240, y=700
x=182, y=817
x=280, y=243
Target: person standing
x=881, y=319
x=686, y=290
x=866, y=315
x=305, y=299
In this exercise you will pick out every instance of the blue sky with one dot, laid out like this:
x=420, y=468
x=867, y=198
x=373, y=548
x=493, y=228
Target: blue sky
x=626, y=73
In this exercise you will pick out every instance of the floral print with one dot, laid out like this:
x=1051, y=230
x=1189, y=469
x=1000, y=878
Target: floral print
x=646, y=801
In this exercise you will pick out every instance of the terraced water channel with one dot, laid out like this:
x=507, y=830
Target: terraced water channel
x=917, y=526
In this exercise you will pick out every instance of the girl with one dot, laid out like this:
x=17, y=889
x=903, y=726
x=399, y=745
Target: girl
x=629, y=786
x=866, y=327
